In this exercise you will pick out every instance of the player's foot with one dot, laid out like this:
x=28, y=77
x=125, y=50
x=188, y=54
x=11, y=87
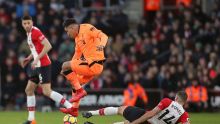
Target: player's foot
x=78, y=95
x=30, y=122
x=86, y=114
x=72, y=111
x=87, y=122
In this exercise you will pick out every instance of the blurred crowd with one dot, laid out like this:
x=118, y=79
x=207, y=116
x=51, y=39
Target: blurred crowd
x=171, y=52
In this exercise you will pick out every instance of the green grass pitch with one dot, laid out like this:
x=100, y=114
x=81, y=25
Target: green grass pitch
x=8, y=117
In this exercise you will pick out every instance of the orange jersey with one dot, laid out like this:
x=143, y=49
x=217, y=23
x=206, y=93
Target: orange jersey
x=90, y=43
x=197, y=94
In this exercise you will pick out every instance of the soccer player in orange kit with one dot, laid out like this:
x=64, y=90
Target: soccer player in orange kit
x=87, y=61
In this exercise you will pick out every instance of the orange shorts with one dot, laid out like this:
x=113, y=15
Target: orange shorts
x=84, y=72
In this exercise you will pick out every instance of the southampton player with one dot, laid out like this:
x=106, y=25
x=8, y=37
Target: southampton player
x=39, y=72
x=166, y=112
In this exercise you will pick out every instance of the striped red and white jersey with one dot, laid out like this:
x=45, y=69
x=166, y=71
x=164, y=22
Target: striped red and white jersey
x=34, y=39
x=172, y=113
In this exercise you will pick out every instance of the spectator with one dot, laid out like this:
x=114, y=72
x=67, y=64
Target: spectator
x=96, y=84
x=198, y=96
x=26, y=7
x=135, y=95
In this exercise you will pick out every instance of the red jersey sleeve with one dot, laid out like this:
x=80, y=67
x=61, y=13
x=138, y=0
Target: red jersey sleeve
x=38, y=35
x=184, y=118
x=164, y=103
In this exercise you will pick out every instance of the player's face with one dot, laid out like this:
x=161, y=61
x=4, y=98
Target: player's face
x=72, y=30
x=27, y=24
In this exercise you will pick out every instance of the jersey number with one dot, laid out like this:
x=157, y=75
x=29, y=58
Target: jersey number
x=100, y=48
x=166, y=120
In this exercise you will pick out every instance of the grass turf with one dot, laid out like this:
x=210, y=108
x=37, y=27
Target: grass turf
x=11, y=117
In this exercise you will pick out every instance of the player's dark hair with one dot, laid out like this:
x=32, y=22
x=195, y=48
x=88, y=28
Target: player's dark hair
x=69, y=21
x=26, y=17
x=182, y=95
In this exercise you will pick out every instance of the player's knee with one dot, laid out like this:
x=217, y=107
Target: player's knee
x=63, y=66
x=47, y=91
x=121, y=109
x=29, y=91
x=66, y=66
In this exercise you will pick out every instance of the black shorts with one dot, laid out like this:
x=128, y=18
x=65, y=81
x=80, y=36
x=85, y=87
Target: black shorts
x=39, y=74
x=132, y=113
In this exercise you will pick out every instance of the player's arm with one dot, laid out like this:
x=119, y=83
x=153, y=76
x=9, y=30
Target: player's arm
x=47, y=47
x=97, y=34
x=26, y=60
x=30, y=57
x=100, y=36
x=100, y=39
x=184, y=118
x=77, y=53
x=147, y=116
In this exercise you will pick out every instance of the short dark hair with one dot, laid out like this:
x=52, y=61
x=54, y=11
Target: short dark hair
x=68, y=22
x=26, y=17
x=182, y=95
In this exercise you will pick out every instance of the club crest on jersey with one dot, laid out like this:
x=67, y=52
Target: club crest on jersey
x=83, y=41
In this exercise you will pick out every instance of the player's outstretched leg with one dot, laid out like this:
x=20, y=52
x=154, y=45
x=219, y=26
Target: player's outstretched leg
x=75, y=106
x=102, y=112
x=105, y=111
x=128, y=112
x=87, y=114
x=57, y=97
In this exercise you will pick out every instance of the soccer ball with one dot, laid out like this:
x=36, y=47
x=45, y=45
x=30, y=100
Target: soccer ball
x=69, y=119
